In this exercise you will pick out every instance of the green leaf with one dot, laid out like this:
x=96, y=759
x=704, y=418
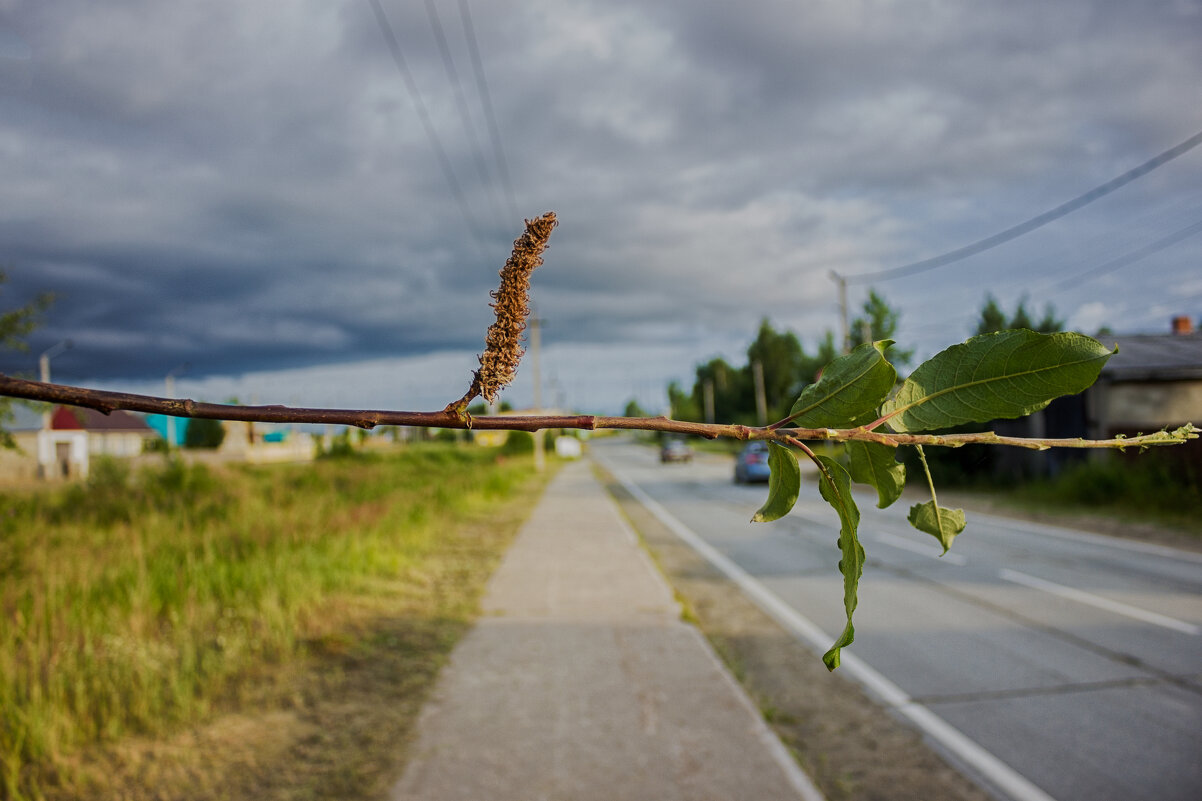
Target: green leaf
x=937, y=520
x=784, y=483
x=875, y=465
x=850, y=390
x=835, y=486
x=1002, y=375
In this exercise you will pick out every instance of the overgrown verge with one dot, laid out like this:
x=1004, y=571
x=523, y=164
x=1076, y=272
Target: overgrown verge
x=1149, y=496
x=1147, y=489
x=268, y=632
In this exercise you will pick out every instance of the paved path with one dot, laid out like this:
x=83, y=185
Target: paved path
x=580, y=681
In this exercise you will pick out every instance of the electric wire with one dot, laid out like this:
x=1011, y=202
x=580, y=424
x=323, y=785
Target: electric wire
x=1048, y=288
x=1134, y=256
x=1032, y=224
x=394, y=47
x=490, y=117
x=448, y=64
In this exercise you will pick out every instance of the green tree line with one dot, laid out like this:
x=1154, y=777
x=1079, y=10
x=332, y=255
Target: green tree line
x=726, y=392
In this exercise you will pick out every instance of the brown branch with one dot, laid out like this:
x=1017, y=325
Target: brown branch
x=105, y=401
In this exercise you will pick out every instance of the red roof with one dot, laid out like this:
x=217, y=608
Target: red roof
x=67, y=419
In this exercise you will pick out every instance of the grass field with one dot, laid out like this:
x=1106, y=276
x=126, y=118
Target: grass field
x=257, y=632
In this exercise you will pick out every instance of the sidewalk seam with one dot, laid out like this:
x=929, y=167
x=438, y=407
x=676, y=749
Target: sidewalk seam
x=794, y=774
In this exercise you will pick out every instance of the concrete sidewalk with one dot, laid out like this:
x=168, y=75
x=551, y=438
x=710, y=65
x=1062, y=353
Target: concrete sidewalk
x=580, y=681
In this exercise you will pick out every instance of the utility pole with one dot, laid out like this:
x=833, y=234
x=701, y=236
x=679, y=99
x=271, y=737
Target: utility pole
x=170, y=381
x=761, y=401
x=707, y=398
x=846, y=326
x=540, y=458
x=44, y=370
x=46, y=456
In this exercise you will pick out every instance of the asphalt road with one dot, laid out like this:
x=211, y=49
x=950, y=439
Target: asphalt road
x=1047, y=663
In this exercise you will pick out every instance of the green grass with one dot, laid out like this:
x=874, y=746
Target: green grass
x=134, y=605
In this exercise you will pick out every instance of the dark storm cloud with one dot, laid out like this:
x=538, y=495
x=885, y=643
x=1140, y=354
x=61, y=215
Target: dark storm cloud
x=247, y=187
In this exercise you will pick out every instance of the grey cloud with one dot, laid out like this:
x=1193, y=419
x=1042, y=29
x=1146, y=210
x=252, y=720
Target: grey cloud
x=247, y=187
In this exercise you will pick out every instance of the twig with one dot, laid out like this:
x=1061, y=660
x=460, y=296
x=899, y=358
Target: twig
x=105, y=401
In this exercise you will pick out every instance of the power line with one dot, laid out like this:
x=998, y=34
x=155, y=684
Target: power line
x=1132, y=257
x=1030, y=225
x=448, y=64
x=494, y=131
x=423, y=114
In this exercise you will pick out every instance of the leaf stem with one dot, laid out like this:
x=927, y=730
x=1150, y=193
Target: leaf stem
x=804, y=449
x=922, y=457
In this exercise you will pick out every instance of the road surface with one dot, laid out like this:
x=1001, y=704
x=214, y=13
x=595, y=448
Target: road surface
x=1047, y=663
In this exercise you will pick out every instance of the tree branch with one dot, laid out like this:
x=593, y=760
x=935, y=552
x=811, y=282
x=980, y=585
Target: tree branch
x=106, y=402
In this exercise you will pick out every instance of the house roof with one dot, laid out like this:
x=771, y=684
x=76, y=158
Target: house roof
x=1155, y=357
x=68, y=419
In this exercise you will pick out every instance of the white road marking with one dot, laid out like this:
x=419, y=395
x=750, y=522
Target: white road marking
x=908, y=545
x=1080, y=596
x=1003, y=777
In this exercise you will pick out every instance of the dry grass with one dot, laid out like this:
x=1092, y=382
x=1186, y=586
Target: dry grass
x=266, y=634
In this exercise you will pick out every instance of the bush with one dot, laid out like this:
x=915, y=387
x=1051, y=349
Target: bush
x=202, y=433
x=340, y=447
x=518, y=443
x=1145, y=485
x=156, y=445
x=112, y=495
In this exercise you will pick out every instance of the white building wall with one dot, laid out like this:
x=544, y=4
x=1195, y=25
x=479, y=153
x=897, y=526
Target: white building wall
x=77, y=453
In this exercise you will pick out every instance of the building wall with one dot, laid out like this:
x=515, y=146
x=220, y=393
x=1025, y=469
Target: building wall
x=1149, y=406
x=118, y=443
x=20, y=464
x=63, y=454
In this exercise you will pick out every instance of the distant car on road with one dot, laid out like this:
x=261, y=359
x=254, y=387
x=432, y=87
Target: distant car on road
x=752, y=463
x=675, y=450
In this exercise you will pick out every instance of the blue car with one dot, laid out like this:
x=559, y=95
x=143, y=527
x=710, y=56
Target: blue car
x=752, y=463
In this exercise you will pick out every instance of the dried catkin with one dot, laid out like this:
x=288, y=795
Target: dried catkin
x=511, y=302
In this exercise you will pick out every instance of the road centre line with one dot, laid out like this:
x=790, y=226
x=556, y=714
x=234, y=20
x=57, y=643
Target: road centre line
x=908, y=545
x=1088, y=598
x=1003, y=777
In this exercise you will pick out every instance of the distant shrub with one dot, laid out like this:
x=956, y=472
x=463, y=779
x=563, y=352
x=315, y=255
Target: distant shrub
x=112, y=494
x=203, y=433
x=340, y=447
x=108, y=474
x=1143, y=485
x=156, y=445
x=517, y=443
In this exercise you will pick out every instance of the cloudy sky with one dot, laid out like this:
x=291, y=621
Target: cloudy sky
x=254, y=189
